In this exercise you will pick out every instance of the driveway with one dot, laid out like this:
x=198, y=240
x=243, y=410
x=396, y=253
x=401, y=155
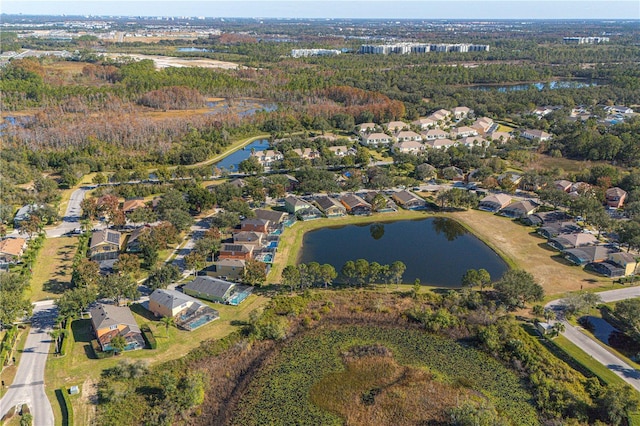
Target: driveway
x=625, y=371
x=28, y=385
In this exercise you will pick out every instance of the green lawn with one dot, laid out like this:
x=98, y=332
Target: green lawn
x=80, y=368
x=52, y=271
x=9, y=372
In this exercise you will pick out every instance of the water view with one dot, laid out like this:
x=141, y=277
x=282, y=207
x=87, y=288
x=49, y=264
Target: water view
x=438, y=251
x=552, y=85
x=230, y=162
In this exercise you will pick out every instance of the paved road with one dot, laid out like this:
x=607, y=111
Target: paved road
x=71, y=219
x=593, y=348
x=28, y=385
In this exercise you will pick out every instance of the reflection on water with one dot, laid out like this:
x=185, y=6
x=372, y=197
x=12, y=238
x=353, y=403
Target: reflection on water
x=552, y=85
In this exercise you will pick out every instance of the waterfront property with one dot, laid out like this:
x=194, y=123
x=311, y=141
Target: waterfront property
x=568, y=241
x=330, y=206
x=437, y=251
x=409, y=201
x=189, y=313
x=217, y=290
x=355, y=205
x=494, y=203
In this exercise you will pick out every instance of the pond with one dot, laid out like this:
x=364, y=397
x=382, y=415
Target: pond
x=231, y=161
x=438, y=251
x=552, y=85
x=193, y=49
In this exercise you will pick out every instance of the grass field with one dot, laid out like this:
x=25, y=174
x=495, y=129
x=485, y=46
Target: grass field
x=52, y=274
x=79, y=367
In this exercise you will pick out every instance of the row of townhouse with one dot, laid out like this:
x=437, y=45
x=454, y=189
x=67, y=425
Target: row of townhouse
x=268, y=158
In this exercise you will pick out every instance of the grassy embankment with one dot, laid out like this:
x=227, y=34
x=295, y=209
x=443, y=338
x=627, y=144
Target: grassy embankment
x=512, y=241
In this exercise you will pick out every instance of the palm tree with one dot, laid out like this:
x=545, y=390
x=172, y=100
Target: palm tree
x=168, y=322
x=118, y=343
x=557, y=329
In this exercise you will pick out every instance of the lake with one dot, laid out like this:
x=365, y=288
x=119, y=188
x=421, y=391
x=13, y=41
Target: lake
x=231, y=161
x=438, y=251
x=552, y=85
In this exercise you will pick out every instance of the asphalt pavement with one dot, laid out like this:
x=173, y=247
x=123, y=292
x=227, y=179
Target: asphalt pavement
x=28, y=385
x=590, y=346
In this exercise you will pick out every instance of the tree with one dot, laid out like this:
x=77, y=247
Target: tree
x=616, y=402
x=517, y=287
x=576, y=303
x=349, y=271
x=396, y=270
x=178, y=218
x=470, y=278
x=361, y=271
x=118, y=343
x=554, y=196
x=168, y=322
x=74, y=301
x=118, y=287
x=86, y=274
x=127, y=264
x=251, y=166
x=163, y=276
x=628, y=312
x=327, y=274
x=557, y=329
x=255, y=272
x=484, y=278
x=13, y=304
x=291, y=277
x=172, y=200
x=194, y=261
x=207, y=247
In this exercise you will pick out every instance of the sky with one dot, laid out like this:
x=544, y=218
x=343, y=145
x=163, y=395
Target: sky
x=383, y=9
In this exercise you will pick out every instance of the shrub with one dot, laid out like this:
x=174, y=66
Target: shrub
x=149, y=339
x=98, y=352
x=67, y=405
x=65, y=337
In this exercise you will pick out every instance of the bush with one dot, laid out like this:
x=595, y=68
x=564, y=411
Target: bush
x=98, y=352
x=149, y=339
x=7, y=344
x=67, y=406
x=65, y=337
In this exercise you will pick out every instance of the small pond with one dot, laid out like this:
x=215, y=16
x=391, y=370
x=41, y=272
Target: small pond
x=552, y=85
x=438, y=251
x=231, y=161
x=193, y=49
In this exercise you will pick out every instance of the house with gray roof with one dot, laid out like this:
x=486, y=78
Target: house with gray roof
x=105, y=245
x=188, y=312
x=330, y=206
x=109, y=321
x=408, y=200
x=494, y=202
x=274, y=217
x=519, y=209
x=568, y=241
x=250, y=237
x=217, y=290
x=293, y=204
x=25, y=212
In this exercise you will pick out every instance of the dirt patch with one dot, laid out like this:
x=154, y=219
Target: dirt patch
x=88, y=400
x=168, y=61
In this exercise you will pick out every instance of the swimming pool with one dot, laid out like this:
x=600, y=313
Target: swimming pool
x=273, y=244
x=200, y=321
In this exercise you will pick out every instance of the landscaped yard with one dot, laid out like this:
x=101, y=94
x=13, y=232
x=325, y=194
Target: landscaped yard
x=52, y=271
x=80, y=368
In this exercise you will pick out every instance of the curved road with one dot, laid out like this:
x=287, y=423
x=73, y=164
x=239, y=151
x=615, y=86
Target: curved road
x=625, y=371
x=28, y=385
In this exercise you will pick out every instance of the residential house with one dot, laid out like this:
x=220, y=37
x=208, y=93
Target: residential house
x=462, y=132
x=499, y=136
x=394, y=126
x=511, y=178
x=109, y=321
x=533, y=134
x=188, y=312
x=294, y=204
x=268, y=157
x=307, y=153
x=250, y=238
x=133, y=204
x=615, y=197
x=25, y=212
x=217, y=290
x=519, y=209
x=330, y=206
x=105, y=245
x=562, y=185
x=341, y=150
x=625, y=261
x=453, y=173
x=619, y=109
x=228, y=269
x=544, y=328
x=607, y=269
x=236, y=251
x=494, y=203
x=461, y=112
x=483, y=125
x=425, y=123
x=255, y=225
x=374, y=197
x=588, y=254
x=440, y=115
x=355, y=205
x=554, y=229
x=376, y=139
x=237, y=182
x=441, y=143
x=274, y=217
x=408, y=135
x=471, y=141
x=434, y=134
x=309, y=213
x=408, y=147
x=292, y=183
x=568, y=241
x=11, y=250
x=408, y=200
x=542, y=111
x=366, y=127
